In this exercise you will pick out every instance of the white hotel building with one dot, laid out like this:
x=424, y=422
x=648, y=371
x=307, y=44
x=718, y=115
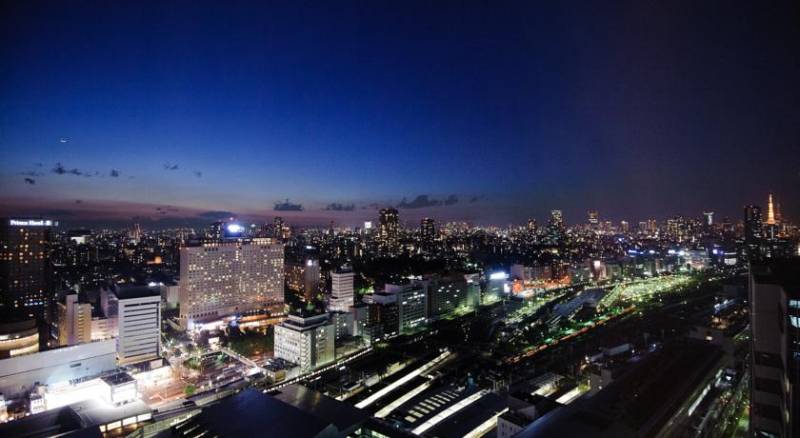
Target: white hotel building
x=228, y=277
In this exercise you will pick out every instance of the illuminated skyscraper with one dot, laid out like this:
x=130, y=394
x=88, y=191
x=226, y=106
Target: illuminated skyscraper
x=427, y=229
x=389, y=227
x=557, y=218
x=24, y=264
x=555, y=228
x=277, y=227
x=753, y=229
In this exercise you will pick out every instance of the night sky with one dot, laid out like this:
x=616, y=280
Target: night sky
x=490, y=112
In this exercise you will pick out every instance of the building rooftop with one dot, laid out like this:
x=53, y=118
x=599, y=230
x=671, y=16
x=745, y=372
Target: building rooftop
x=131, y=292
x=76, y=420
x=117, y=379
x=343, y=415
x=295, y=411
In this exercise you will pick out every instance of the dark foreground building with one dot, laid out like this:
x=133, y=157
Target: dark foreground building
x=294, y=411
x=651, y=398
x=774, y=293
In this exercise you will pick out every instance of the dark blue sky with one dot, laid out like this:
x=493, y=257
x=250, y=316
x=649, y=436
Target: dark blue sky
x=635, y=109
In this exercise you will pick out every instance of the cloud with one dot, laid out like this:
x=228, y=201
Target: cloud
x=198, y=173
x=30, y=181
x=335, y=206
x=168, y=166
x=287, y=206
x=474, y=199
x=79, y=201
x=38, y=164
x=421, y=201
x=59, y=169
x=63, y=140
x=450, y=200
x=215, y=215
x=114, y=173
x=31, y=173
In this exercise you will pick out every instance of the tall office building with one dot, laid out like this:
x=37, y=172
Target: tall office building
x=307, y=341
x=427, y=229
x=449, y=293
x=412, y=303
x=74, y=320
x=753, y=230
x=774, y=295
x=139, y=324
x=303, y=276
x=24, y=279
x=389, y=224
x=278, y=228
x=342, y=291
x=555, y=227
x=228, y=277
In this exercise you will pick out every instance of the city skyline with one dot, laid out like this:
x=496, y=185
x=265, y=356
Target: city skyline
x=635, y=111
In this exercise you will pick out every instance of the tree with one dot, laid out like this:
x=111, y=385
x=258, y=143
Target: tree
x=189, y=390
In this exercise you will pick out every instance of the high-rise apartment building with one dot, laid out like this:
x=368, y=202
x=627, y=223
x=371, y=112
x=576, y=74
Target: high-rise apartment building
x=227, y=277
x=24, y=280
x=342, y=291
x=774, y=296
